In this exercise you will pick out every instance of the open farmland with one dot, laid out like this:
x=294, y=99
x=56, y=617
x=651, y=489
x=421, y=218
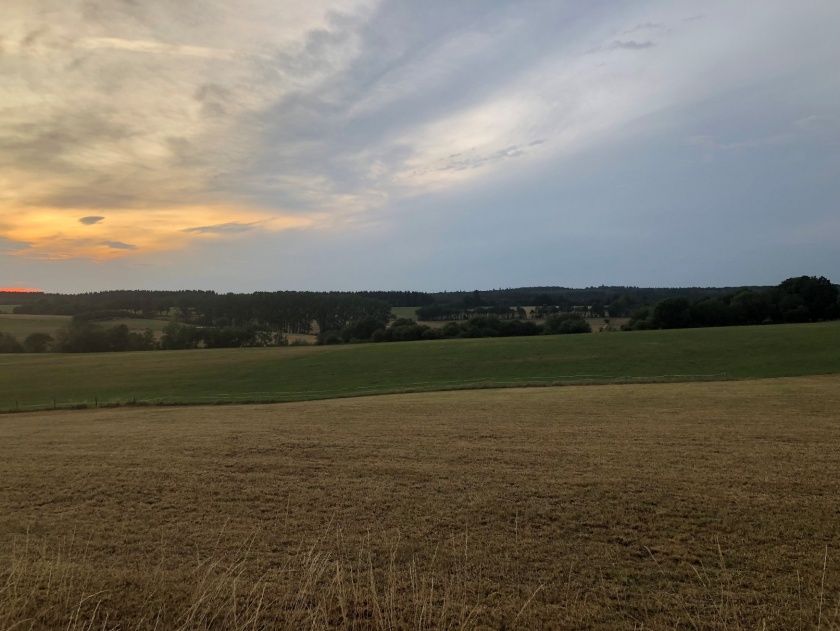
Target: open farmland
x=404, y=312
x=23, y=325
x=701, y=505
x=300, y=373
x=137, y=324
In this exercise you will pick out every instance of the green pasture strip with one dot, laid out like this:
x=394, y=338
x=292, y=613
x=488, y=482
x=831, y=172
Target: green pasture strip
x=303, y=373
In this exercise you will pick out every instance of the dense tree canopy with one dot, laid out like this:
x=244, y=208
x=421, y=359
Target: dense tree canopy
x=800, y=299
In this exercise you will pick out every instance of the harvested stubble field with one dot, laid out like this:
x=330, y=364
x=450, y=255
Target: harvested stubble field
x=696, y=506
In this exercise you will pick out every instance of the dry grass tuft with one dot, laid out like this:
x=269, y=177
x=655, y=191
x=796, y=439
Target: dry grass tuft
x=319, y=586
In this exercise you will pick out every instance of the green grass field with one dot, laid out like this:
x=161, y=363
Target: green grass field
x=137, y=324
x=302, y=373
x=22, y=325
x=404, y=312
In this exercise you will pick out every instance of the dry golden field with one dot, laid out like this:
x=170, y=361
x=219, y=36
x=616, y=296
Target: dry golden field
x=694, y=506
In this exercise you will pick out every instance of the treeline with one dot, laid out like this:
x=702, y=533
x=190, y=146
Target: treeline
x=615, y=301
x=81, y=338
x=177, y=336
x=462, y=311
x=202, y=319
x=400, y=298
x=799, y=299
x=295, y=310
x=292, y=311
x=407, y=330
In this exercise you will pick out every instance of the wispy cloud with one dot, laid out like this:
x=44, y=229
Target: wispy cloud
x=644, y=26
x=231, y=227
x=119, y=245
x=630, y=45
x=154, y=47
x=10, y=245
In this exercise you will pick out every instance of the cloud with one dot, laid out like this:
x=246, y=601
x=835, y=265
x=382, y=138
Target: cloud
x=154, y=47
x=10, y=245
x=119, y=245
x=111, y=106
x=630, y=45
x=644, y=26
x=56, y=233
x=818, y=123
x=91, y=219
x=232, y=227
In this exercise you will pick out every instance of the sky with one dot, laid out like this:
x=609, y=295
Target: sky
x=394, y=144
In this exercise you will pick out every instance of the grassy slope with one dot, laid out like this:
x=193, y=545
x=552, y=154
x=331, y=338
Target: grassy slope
x=285, y=374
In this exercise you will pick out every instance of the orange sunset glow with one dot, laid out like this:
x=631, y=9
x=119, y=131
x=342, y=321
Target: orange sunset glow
x=68, y=233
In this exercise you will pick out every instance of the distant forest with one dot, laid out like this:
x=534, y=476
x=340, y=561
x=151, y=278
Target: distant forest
x=203, y=307
x=211, y=319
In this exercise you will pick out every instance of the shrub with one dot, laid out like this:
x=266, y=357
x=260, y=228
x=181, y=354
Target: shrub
x=8, y=344
x=330, y=337
x=361, y=330
x=38, y=343
x=672, y=313
x=566, y=323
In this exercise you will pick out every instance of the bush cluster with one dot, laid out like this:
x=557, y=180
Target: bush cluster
x=406, y=330
x=81, y=337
